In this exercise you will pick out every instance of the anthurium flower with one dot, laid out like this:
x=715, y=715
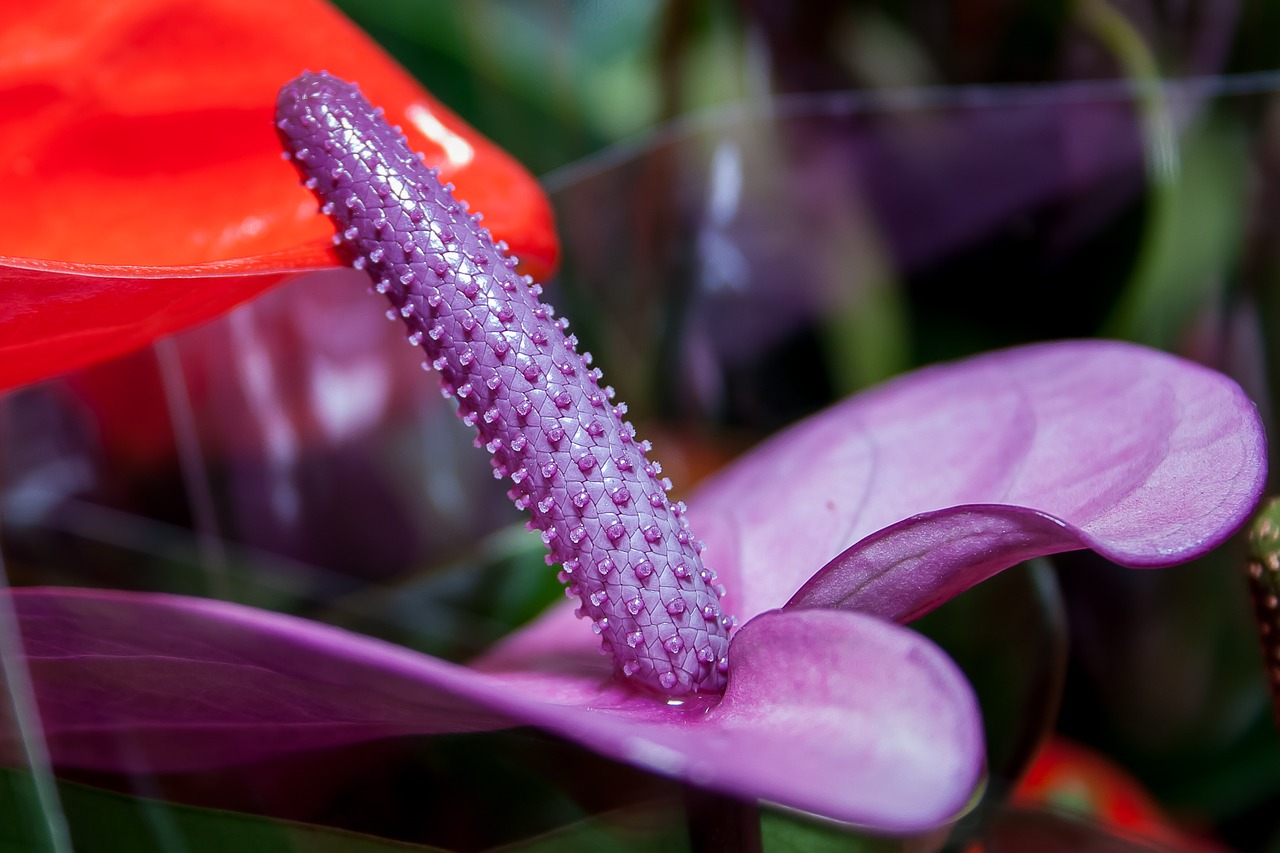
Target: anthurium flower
x=137, y=134
x=874, y=510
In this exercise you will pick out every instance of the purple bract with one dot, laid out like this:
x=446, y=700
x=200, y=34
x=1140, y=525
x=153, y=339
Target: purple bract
x=575, y=464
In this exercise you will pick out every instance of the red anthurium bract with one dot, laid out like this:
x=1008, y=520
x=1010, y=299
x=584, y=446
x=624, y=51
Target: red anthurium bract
x=144, y=187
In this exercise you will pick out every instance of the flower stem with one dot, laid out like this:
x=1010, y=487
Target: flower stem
x=721, y=824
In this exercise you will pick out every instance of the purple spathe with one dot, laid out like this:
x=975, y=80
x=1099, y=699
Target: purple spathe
x=626, y=550
x=1145, y=457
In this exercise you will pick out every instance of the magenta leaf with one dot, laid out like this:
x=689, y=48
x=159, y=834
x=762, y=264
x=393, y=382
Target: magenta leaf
x=831, y=712
x=916, y=490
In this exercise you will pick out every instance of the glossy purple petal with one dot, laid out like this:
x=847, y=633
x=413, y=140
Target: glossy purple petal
x=968, y=468
x=830, y=712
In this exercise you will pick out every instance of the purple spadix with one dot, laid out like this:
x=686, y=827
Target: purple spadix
x=537, y=404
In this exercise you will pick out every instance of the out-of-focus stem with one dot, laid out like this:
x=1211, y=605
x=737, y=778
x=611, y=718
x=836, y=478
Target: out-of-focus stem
x=720, y=824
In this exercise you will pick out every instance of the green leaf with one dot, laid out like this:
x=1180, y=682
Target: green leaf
x=106, y=822
x=786, y=834
x=653, y=828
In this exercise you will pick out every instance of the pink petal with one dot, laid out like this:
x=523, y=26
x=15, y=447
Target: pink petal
x=826, y=711
x=1149, y=459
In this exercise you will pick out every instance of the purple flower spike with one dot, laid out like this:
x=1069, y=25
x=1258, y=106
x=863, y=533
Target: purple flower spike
x=536, y=403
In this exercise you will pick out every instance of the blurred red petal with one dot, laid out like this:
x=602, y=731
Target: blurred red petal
x=1073, y=779
x=139, y=159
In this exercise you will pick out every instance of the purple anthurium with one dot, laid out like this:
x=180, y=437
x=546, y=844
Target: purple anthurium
x=875, y=510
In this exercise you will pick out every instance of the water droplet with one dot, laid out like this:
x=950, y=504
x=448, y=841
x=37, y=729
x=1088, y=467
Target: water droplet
x=676, y=606
x=604, y=566
x=634, y=606
x=674, y=645
x=595, y=428
x=643, y=569
x=549, y=469
x=466, y=358
x=651, y=533
x=598, y=597
x=620, y=496
x=634, y=639
x=705, y=655
x=581, y=499
x=563, y=400
x=546, y=504
x=709, y=612
x=519, y=442
x=681, y=571
x=616, y=531
x=530, y=372
x=630, y=668
x=667, y=680
x=586, y=462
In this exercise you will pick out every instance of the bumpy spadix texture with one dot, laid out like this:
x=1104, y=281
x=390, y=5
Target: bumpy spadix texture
x=574, y=462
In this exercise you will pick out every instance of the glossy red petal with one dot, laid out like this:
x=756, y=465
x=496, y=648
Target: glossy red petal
x=139, y=158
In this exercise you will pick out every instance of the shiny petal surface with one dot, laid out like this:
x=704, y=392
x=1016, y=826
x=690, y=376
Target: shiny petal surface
x=968, y=468
x=830, y=712
x=140, y=142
